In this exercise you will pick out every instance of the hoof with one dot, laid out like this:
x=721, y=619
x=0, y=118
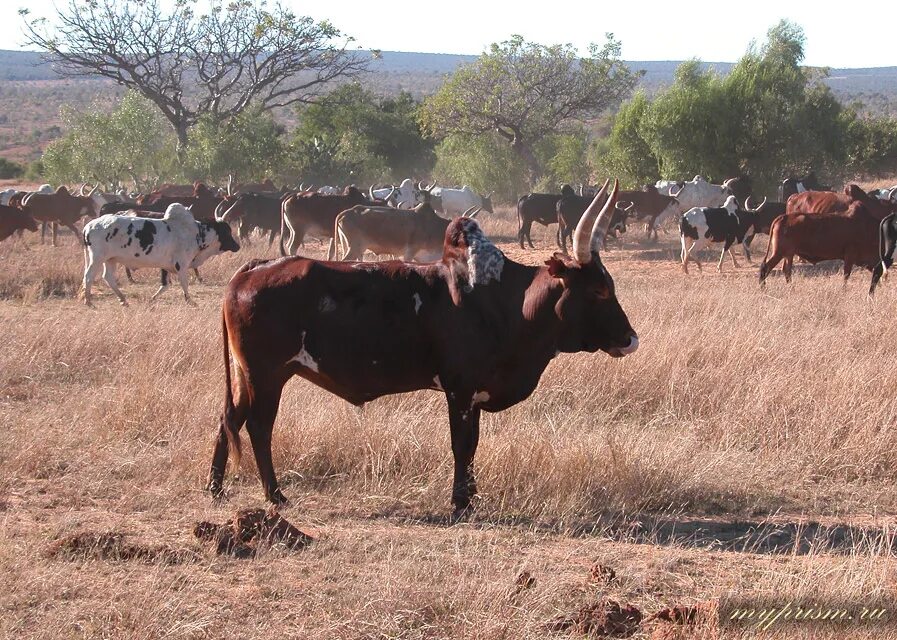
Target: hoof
x=278, y=499
x=216, y=489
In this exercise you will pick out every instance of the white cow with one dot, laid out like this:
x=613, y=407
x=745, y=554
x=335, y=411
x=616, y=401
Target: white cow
x=713, y=225
x=406, y=196
x=454, y=202
x=695, y=193
x=176, y=242
x=887, y=195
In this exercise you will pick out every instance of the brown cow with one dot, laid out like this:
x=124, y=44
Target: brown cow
x=13, y=219
x=815, y=237
x=309, y=212
x=831, y=202
x=60, y=207
x=477, y=326
x=415, y=234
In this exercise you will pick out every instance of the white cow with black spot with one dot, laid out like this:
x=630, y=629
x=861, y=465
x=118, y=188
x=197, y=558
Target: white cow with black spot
x=176, y=242
x=711, y=225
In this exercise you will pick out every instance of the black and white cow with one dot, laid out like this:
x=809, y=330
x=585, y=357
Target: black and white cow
x=887, y=244
x=711, y=225
x=175, y=243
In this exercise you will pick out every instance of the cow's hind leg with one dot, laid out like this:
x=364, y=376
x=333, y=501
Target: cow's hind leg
x=234, y=416
x=260, y=423
x=464, y=422
x=90, y=274
x=876, y=276
x=109, y=277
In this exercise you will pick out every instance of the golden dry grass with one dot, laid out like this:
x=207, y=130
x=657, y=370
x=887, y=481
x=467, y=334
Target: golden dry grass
x=743, y=409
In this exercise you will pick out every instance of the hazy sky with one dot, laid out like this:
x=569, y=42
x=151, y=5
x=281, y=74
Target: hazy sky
x=648, y=30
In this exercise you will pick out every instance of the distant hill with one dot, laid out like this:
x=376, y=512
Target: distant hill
x=421, y=70
x=32, y=93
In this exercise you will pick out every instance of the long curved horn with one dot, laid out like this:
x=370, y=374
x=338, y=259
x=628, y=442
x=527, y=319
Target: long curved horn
x=892, y=193
x=81, y=190
x=625, y=209
x=747, y=203
x=218, y=216
x=726, y=184
x=755, y=210
x=602, y=224
x=469, y=213
x=226, y=213
x=230, y=184
x=581, y=245
x=371, y=193
x=420, y=186
x=302, y=186
x=674, y=195
x=90, y=193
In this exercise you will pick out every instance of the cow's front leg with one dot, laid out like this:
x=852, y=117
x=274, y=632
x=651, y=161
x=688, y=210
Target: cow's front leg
x=163, y=285
x=464, y=422
x=184, y=280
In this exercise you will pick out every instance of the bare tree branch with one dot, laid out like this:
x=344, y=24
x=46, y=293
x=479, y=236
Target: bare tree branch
x=191, y=65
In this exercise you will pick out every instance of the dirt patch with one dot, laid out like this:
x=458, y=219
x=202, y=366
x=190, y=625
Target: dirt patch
x=250, y=531
x=111, y=545
x=603, y=619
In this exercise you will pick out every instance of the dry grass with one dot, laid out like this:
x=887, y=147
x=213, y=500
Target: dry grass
x=742, y=409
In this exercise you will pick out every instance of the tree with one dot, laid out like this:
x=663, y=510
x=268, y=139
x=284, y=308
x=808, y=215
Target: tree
x=353, y=135
x=625, y=153
x=129, y=143
x=525, y=91
x=689, y=128
x=248, y=147
x=191, y=66
x=486, y=163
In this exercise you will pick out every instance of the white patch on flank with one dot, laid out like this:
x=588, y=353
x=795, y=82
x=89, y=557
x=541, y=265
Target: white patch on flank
x=327, y=304
x=479, y=398
x=304, y=357
x=417, y=302
x=437, y=384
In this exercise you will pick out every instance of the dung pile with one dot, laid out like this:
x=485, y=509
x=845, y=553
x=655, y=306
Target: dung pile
x=250, y=531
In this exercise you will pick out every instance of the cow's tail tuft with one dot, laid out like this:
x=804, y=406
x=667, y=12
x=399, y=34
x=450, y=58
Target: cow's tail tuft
x=231, y=430
x=882, y=248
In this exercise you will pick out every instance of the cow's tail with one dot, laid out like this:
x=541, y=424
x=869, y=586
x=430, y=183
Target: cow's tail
x=336, y=243
x=283, y=213
x=231, y=430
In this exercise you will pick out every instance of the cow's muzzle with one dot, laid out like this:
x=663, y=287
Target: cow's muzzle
x=619, y=352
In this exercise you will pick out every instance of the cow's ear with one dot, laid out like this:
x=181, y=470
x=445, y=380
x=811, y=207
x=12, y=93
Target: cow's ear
x=557, y=266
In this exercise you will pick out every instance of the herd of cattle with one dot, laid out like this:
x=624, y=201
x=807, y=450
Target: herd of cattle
x=176, y=228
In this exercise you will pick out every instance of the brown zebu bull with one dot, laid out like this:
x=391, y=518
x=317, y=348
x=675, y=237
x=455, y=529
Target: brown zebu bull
x=309, y=212
x=60, y=207
x=852, y=236
x=252, y=211
x=13, y=219
x=415, y=234
x=475, y=325
x=831, y=202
